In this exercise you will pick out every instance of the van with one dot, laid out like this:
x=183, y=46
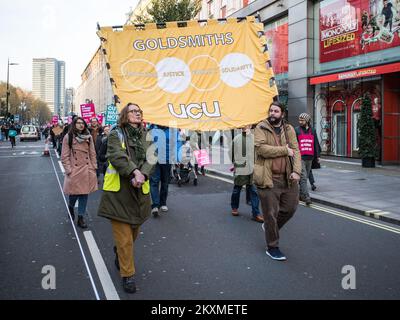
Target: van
x=29, y=132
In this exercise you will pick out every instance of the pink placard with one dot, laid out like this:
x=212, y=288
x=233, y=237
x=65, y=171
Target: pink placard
x=202, y=157
x=100, y=117
x=54, y=120
x=88, y=112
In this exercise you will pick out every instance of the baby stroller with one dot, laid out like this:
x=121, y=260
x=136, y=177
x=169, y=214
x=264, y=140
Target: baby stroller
x=182, y=174
x=183, y=171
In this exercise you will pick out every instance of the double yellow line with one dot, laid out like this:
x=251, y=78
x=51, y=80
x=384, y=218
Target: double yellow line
x=333, y=211
x=357, y=219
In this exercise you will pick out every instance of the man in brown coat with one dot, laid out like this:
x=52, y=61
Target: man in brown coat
x=277, y=171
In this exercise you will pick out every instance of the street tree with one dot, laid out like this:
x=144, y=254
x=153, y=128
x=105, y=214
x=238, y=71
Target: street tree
x=34, y=107
x=170, y=10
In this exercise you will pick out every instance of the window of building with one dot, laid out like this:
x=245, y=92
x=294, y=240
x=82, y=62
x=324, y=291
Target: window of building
x=210, y=9
x=276, y=33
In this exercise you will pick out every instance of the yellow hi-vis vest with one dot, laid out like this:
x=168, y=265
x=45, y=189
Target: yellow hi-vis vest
x=111, y=178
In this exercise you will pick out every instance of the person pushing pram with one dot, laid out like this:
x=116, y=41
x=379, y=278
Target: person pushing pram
x=185, y=169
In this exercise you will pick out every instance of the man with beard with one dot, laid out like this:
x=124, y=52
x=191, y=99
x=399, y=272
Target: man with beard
x=309, y=148
x=277, y=172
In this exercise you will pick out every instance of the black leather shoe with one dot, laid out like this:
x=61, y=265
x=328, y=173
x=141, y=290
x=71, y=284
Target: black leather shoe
x=81, y=223
x=129, y=284
x=71, y=211
x=116, y=261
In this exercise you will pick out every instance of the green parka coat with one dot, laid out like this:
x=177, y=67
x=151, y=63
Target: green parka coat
x=129, y=204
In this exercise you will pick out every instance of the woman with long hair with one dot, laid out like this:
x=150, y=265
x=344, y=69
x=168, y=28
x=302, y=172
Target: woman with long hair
x=78, y=157
x=126, y=192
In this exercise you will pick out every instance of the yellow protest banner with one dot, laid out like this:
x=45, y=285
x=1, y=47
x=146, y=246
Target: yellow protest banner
x=200, y=77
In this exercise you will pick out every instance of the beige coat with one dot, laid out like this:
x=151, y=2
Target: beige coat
x=80, y=167
x=267, y=149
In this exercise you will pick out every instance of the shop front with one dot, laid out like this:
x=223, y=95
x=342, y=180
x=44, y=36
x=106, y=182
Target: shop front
x=338, y=105
x=353, y=60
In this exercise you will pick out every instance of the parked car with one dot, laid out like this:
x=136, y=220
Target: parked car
x=29, y=132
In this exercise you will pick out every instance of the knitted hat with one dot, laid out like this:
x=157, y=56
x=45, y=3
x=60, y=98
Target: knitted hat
x=305, y=116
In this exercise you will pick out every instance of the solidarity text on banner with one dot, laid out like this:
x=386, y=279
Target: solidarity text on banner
x=211, y=77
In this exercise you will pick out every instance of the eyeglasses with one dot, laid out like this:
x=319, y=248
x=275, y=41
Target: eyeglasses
x=137, y=111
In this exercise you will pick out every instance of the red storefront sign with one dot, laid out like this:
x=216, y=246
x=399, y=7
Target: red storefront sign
x=353, y=27
x=277, y=40
x=359, y=73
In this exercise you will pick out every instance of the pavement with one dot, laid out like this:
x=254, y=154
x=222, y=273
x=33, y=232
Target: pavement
x=345, y=184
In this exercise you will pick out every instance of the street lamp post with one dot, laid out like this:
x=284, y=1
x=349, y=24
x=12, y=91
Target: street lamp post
x=8, y=78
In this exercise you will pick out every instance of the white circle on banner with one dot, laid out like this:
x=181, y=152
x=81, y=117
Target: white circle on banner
x=237, y=69
x=173, y=75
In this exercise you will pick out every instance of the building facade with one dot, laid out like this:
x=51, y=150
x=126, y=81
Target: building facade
x=48, y=83
x=139, y=11
x=69, y=101
x=326, y=56
x=357, y=51
x=95, y=86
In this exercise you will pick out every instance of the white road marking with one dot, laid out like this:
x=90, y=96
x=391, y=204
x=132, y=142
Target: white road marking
x=339, y=213
x=219, y=178
x=57, y=155
x=76, y=233
x=104, y=276
x=19, y=146
x=61, y=167
x=19, y=156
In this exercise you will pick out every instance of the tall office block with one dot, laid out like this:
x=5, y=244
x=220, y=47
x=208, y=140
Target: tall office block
x=48, y=83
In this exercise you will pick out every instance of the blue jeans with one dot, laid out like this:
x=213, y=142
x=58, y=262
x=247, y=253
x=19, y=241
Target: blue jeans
x=255, y=202
x=159, y=195
x=83, y=198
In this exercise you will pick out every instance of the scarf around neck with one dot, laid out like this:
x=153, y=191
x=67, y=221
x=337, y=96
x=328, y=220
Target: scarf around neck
x=136, y=135
x=82, y=137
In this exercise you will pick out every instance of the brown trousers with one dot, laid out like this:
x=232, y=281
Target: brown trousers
x=278, y=205
x=125, y=236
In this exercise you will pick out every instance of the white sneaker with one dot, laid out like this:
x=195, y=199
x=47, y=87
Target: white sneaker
x=164, y=208
x=154, y=212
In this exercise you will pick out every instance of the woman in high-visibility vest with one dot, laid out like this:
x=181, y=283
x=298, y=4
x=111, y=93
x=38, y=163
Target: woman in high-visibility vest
x=126, y=191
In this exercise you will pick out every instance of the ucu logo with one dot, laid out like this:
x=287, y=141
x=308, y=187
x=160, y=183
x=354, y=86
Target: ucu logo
x=195, y=110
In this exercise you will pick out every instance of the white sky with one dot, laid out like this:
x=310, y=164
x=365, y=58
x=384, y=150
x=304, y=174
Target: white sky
x=61, y=29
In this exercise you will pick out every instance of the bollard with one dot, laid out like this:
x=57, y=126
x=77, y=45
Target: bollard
x=46, y=151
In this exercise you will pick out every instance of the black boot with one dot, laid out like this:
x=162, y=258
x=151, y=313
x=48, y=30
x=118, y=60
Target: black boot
x=116, y=261
x=129, y=284
x=71, y=211
x=81, y=222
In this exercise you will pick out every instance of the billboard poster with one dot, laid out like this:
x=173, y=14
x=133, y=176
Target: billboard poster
x=100, y=117
x=277, y=40
x=349, y=28
x=88, y=112
x=198, y=77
